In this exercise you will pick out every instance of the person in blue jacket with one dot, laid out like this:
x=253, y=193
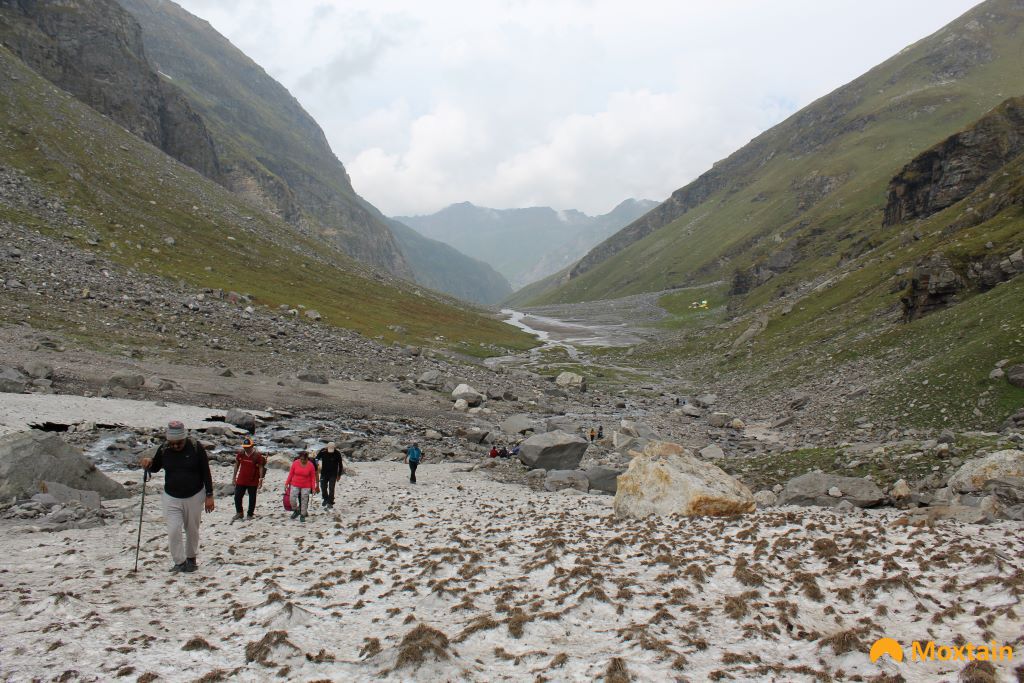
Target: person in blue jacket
x=413, y=456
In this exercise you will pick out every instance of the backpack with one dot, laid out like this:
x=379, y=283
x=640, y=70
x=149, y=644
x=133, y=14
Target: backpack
x=414, y=454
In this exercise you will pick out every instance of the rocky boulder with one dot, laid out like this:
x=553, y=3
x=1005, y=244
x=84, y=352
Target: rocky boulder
x=241, y=419
x=553, y=451
x=603, y=478
x=279, y=462
x=66, y=495
x=679, y=485
x=1015, y=375
x=312, y=376
x=29, y=458
x=519, y=424
x=12, y=381
x=570, y=380
x=466, y=393
x=766, y=499
x=556, y=480
x=973, y=475
x=827, y=490
x=126, y=379
x=38, y=370
x=431, y=379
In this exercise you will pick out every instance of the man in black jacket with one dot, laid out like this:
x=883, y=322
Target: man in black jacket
x=331, y=468
x=188, y=490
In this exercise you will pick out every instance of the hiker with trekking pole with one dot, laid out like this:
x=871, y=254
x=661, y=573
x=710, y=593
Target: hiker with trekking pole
x=188, y=491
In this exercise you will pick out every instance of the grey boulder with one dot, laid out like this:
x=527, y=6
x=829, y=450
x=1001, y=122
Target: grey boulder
x=29, y=458
x=603, y=478
x=241, y=419
x=557, y=480
x=126, y=379
x=519, y=424
x=813, y=489
x=553, y=451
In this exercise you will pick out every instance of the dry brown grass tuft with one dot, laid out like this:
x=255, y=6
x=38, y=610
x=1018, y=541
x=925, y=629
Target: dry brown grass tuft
x=747, y=575
x=736, y=606
x=617, y=672
x=419, y=644
x=259, y=651
x=371, y=648
x=197, y=643
x=481, y=623
x=845, y=641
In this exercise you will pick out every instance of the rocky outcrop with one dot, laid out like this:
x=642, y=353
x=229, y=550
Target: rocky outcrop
x=27, y=459
x=679, y=485
x=94, y=50
x=954, y=168
x=934, y=285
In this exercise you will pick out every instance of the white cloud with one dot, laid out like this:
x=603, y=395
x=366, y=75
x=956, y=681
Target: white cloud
x=570, y=103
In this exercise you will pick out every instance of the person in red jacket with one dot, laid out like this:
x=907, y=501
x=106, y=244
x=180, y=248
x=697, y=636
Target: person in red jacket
x=250, y=468
x=302, y=481
x=493, y=452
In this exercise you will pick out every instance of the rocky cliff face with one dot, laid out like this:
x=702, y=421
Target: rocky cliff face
x=93, y=49
x=271, y=150
x=954, y=168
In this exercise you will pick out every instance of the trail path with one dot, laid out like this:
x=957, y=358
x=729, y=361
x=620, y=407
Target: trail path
x=512, y=584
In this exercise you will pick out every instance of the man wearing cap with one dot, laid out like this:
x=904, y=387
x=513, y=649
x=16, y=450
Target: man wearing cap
x=331, y=467
x=188, y=490
x=250, y=469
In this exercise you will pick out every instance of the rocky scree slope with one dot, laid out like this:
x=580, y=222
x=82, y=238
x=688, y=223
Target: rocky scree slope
x=74, y=172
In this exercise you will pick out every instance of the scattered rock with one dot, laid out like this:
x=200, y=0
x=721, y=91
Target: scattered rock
x=126, y=379
x=603, y=478
x=312, y=377
x=571, y=380
x=466, y=393
x=712, y=452
x=241, y=419
x=765, y=499
x=518, y=424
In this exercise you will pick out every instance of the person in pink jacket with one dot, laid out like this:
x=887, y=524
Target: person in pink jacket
x=302, y=481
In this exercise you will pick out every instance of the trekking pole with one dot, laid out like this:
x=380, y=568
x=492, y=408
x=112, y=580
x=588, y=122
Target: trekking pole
x=142, y=508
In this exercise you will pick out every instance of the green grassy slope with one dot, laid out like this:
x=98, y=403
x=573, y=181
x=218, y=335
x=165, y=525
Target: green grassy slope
x=814, y=186
x=129, y=197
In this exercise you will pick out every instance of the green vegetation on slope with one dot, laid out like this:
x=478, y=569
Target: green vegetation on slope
x=131, y=198
x=807, y=195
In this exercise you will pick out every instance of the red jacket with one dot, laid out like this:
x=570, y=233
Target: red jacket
x=302, y=476
x=250, y=467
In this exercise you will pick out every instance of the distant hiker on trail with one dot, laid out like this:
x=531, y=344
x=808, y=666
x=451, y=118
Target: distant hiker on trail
x=301, y=482
x=331, y=467
x=493, y=452
x=413, y=455
x=593, y=435
x=600, y=432
x=250, y=469
x=188, y=490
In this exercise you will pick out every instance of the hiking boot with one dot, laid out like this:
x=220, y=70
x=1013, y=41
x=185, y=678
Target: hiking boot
x=249, y=518
x=302, y=519
x=238, y=516
x=178, y=568
x=190, y=565
x=295, y=514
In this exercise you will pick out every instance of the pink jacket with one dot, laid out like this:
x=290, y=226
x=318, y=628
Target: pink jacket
x=301, y=476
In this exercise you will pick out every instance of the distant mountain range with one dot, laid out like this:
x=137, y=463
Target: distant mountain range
x=524, y=245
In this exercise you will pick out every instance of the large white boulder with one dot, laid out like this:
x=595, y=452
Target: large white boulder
x=679, y=484
x=468, y=394
x=999, y=465
x=570, y=380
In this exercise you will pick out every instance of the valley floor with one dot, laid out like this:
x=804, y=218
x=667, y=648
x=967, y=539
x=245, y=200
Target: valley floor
x=464, y=578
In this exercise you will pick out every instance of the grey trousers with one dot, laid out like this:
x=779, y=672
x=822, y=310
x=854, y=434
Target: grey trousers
x=300, y=500
x=184, y=514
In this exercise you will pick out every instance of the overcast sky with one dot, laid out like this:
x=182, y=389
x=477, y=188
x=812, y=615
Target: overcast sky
x=575, y=104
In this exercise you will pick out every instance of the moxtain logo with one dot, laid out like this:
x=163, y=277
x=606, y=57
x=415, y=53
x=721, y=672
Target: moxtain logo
x=929, y=651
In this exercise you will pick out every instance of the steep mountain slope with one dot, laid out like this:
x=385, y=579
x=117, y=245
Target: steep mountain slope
x=809, y=194
x=524, y=245
x=269, y=148
x=76, y=174
x=444, y=268
x=94, y=51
